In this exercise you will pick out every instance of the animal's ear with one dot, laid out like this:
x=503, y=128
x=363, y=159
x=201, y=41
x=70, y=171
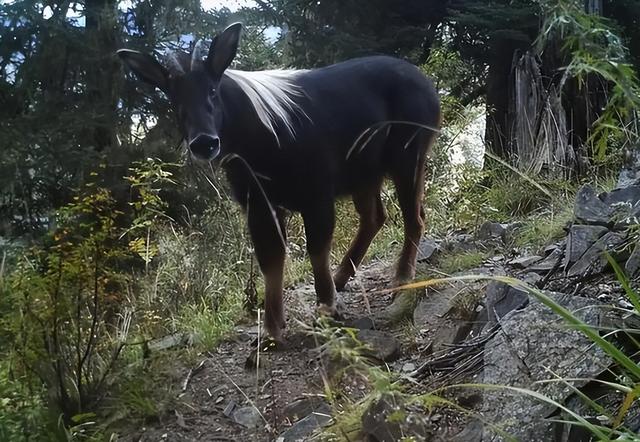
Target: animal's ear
x=223, y=49
x=146, y=67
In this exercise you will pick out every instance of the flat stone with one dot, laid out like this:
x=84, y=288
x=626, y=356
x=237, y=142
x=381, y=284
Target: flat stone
x=501, y=299
x=472, y=432
x=229, y=408
x=535, y=344
x=305, y=427
x=551, y=247
x=630, y=172
x=167, y=342
x=445, y=312
x=632, y=266
x=362, y=323
x=580, y=238
x=531, y=278
x=492, y=230
x=594, y=261
x=387, y=420
x=427, y=249
x=381, y=345
x=629, y=195
x=248, y=417
x=303, y=407
x=524, y=261
x=408, y=367
x=551, y=261
x=589, y=209
x=462, y=242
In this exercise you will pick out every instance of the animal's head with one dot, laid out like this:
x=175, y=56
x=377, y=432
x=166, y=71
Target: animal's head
x=193, y=93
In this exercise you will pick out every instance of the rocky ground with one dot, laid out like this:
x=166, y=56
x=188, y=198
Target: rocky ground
x=457, y=332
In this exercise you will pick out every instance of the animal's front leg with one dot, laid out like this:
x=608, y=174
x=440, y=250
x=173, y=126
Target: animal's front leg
x=269, y=240
x=319, y=222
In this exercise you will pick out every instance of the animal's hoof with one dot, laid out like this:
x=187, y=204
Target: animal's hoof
x=327, y=310
x=340, y=280
x=269, y=344
x=266, y=346
x=335, y=311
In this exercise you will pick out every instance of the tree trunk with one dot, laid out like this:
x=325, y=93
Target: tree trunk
x=498, y=130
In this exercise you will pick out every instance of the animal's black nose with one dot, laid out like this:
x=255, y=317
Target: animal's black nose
x=205, y=147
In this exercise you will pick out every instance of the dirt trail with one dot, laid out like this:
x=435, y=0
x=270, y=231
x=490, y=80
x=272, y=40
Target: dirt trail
x=220, y=391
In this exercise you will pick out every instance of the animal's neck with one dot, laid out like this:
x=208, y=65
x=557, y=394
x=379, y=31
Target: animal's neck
x=240, y=123
x=273, y=97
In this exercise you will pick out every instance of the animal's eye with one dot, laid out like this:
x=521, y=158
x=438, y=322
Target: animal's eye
x=212, y=92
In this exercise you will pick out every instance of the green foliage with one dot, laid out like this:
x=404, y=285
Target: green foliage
x=148, y=208
x=324, y=32
x=455, y=78
x=540, y=230
x=76, y=307
x=594, y=48
x=482, y=29
x=457, y=262
x=65, y=297
x=23, y=415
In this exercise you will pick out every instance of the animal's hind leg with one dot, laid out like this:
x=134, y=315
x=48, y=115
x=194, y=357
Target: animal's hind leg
x=408, y=177
x=372, y=216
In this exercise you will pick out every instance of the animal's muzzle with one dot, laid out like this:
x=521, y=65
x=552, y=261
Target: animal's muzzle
x=205, y=147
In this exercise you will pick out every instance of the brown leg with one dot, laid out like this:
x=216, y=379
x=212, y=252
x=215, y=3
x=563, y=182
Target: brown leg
x=269, y=237
x=410, y=189
x=318, y=224
x=372, y=217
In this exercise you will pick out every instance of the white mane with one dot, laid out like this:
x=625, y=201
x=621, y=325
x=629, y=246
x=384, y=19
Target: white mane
x=272, y=95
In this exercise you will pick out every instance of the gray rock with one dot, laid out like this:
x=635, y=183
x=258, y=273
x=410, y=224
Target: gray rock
x=305, y=427
x=632, y=266
x=427, y=249
x=248, y=417
x=305, y=406
x=550, y=262
x=551, y=247
x=580, y=238
x=502, y=299
x=531, y=278
x=408, y=367
x=167, y=342
x=629, y=195
x=523, y=262
x=229, y=408
x=472, y=432
x=462, y=242
x=362, y=323
x=630, y=172
x=444, y=314
x=174, y=340
x=589, y=209
x=534, y=345
x=387, y=420
x=594, y=261
x=381, y=345
x=492, y=230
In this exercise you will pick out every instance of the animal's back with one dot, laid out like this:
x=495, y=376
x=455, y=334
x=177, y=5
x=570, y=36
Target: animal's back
x=346, y=99
x=381, y=80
